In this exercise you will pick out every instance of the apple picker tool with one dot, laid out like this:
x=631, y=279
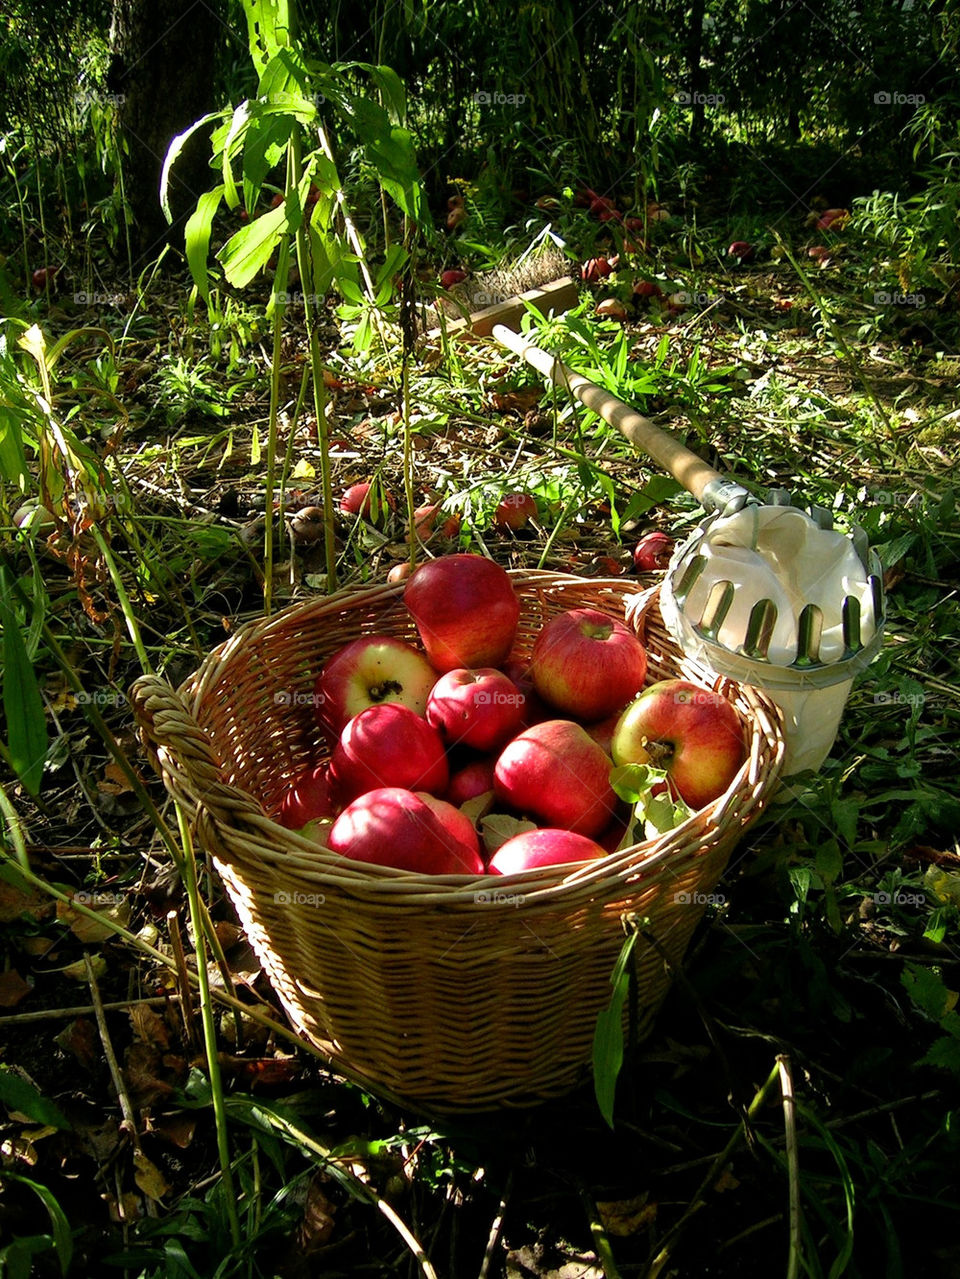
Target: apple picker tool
x=764, y=592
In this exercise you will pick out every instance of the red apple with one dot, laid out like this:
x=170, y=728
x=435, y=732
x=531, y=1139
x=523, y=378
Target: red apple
x=741, y=250
x=556, y=773
x=534, y=710
x=647, y=289
x=695, y=735
x=388, y=745
x=515, y=510
x=465, y=609
x=596, y=269
x=452, y=277
x=545, y=847
x=479, y=708
x=43, y=276
x=310, y=797
x=652, y=552
x=602, y=732
x=587, y=664
x=391, y=826
x=425, y=521
x=457, y=825
x=611, y=309
x=370, y=671
x=368, y=500
x=471, y=780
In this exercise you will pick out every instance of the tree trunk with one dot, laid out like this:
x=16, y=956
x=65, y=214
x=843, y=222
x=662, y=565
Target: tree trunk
x=162, y=70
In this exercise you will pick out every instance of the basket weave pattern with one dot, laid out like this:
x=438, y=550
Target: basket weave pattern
x=457, y=993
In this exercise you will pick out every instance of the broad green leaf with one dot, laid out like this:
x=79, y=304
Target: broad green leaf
x=608, y=1035
x=239, y=125
x=197, y=237
x=62, y=1234
x=13, y=460
x=176, y=146
x=657, y=490
x=19, y=1094
x=263, y=149
x=248, y=250
x=22, y=702
x=269, y=29
x=285, y=74
x=829, y=861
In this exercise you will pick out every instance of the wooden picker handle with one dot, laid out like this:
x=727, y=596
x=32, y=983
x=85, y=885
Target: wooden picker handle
x=685, y=467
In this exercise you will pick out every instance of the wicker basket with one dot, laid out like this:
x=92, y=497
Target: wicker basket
x=437, y=990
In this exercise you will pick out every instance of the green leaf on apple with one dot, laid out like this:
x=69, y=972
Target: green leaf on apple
x=660, y=812
x=499, y=827
x=478, y=807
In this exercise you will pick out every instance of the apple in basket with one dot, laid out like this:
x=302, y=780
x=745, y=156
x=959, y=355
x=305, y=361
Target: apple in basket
x=587, y=663
x=548, y=846
x=471, y=779
x=310, y=798
x=388, y=746
x=555, y=773
x=370, y=671
x=480, y=708
x=465, y=609
x=409, y=830
x=693, y=734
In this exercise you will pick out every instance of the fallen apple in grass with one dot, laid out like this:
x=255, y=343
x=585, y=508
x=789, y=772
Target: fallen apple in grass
x=368, y=500
x=452, y=277
x=388, y=745
x=548, y=846
x=479, y=708
x=693, y=734
x=515, y=511
x=392, y=826
x=596, y=269
x=611, y=309
x=465, y=610
x=652, y=552
x=741, y=250
x=370, y=671
x=587, y=664
x=554, y=772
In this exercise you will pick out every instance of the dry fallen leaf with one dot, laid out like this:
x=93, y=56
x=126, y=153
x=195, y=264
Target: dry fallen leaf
x=126, y=1208
x=12, y=988
x=318, y=1218
x=178, y=1129
x=15, y=902
x=90, y=931
x=78, y=970
x=81, y=1039
x=726, y=1181
x=148, y=1026
x=624, y=1217
x=148, y=1176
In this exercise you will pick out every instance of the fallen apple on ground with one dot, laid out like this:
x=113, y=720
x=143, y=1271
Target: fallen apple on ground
x=515, y=511
x=693, y=734
x=479, y=708
x=388, y=745
x=465, y=610
x=392, y=826
x=371, y=671
x=587, y=664
x=368, y=500
x=652, y=552
x=548, y=846
x=556, y=773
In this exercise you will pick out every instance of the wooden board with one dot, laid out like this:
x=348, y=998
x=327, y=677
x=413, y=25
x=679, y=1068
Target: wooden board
x=556, y=297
